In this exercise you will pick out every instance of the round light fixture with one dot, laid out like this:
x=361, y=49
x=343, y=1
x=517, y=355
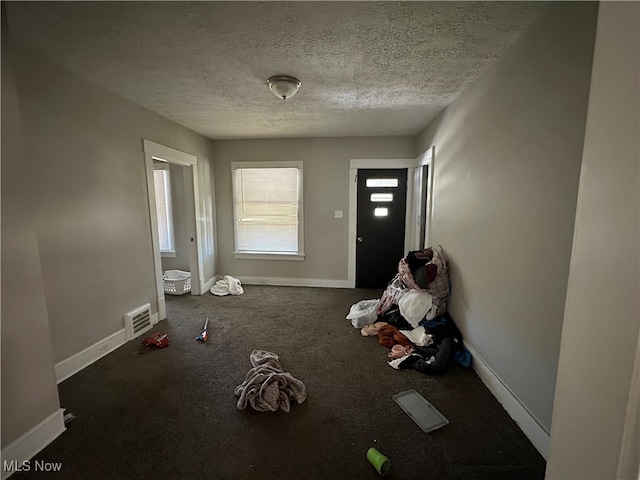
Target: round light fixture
x=283, y=86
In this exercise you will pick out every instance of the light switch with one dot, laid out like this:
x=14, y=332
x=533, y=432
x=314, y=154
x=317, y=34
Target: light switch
x=338, y=214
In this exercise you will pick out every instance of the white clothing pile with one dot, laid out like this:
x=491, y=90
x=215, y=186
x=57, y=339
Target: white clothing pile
x=227, y=286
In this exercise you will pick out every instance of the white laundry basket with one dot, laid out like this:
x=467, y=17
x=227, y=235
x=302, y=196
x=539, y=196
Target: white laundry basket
x=176, y=282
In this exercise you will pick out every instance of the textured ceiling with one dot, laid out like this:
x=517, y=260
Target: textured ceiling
x=367, y=68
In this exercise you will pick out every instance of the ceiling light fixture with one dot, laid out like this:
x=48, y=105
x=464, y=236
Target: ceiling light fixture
x=283, y=86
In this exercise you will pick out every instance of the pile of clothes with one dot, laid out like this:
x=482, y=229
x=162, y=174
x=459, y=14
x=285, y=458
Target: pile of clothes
x=227, y=285
x=410, y=319
x=267, y=387
x=420, y=272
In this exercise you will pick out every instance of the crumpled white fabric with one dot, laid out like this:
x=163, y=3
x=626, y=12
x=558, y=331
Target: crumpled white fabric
x=418, y=336
x=415, y=305
x=227, y=286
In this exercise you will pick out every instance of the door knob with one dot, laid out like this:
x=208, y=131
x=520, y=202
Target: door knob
x=359, y=239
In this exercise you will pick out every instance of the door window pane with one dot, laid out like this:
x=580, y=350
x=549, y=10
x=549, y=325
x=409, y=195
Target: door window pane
x=382, y=182
x=381, y=197
x=381, y=212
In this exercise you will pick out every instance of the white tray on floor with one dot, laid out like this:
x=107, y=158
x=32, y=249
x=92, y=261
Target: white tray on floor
x=426, y=416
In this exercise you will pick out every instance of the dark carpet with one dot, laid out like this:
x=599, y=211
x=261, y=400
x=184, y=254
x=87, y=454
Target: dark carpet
x=171, y=413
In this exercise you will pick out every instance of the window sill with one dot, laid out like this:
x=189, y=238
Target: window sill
x=168, y=254
x=268, y=256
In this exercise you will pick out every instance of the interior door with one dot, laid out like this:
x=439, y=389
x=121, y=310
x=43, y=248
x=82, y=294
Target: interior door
x=381, y=219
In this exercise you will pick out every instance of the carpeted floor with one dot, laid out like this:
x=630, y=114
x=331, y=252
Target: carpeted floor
x=171, y=413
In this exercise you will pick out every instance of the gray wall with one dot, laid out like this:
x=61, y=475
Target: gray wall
x=29, y=391
x=84, y=153
x=600, y=332
x=326, y=189
x=507, y=162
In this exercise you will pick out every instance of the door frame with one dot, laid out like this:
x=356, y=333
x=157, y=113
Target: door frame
x=412, y=221
x=196, y=265
x=424, y=159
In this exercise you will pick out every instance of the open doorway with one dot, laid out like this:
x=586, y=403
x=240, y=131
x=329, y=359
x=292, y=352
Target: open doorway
x=172, y=209
x=423, y=198
x=184, y=247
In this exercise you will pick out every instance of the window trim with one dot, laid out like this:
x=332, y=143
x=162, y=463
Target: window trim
x=247, y=255
x=263, y=255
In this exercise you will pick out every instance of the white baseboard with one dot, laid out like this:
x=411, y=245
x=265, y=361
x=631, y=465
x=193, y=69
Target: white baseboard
x=210, y=283
x=162, y=310
x=536, y=433
x=295, y=282
x=19, y=453
x=72, y=365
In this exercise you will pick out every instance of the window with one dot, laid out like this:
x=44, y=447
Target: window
x=162, y=183
x=268, y=210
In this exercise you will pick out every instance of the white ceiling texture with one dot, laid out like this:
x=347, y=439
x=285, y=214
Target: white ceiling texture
x=367, y=68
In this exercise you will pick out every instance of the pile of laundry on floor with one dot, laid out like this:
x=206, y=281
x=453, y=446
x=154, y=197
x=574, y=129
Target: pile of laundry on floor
x=267, y=387
x=227, y=285
x=411, y=318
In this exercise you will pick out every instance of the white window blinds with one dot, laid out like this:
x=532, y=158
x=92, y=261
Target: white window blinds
x=267, y=209
x=162, y=185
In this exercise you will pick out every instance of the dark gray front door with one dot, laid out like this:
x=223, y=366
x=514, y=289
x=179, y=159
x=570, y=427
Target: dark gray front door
x=382, y=203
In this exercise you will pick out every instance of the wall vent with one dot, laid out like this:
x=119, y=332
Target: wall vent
x=138, y=321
